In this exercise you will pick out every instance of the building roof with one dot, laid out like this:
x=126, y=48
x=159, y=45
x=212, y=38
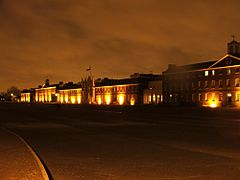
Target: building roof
x=189, y=67
x=226, y=61
x=134, y=79
x=69, y=85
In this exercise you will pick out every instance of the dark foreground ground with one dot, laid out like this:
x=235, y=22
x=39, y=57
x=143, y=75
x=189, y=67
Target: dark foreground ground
x=130, y=143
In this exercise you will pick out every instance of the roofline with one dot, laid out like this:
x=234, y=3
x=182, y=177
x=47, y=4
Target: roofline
x=210, y=68
x=227, y=55
x=46, y=88
x=116, y=85
x=70, y=89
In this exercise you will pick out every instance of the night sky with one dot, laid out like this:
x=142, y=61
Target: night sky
x=59, y=39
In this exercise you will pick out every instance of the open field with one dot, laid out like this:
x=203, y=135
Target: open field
x=130, y=143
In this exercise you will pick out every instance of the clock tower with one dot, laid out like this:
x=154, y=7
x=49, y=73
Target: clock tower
x=234, y=47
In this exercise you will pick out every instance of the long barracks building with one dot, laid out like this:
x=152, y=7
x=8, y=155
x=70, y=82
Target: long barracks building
x=128, y=91
x=213, y=83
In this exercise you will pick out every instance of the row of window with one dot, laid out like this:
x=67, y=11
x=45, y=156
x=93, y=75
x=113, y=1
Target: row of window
x=70, y=92
x=207, y=97
x=116, y=89
x=205, y=84
x=217, y=83
x=207, y=73
x=221, y=72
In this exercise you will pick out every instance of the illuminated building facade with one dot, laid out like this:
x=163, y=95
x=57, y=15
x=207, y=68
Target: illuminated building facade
x=122, y=91
x=27, y=95
x=212, y=83
x=153, y=94
x=46, y=93
x=70, y=93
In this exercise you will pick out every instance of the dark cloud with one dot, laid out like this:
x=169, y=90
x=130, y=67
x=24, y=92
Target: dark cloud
x=59, y=39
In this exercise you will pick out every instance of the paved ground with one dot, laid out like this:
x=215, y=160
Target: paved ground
x=130, y=143
x=16, y=160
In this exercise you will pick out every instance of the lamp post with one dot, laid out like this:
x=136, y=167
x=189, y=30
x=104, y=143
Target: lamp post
x=12, y=97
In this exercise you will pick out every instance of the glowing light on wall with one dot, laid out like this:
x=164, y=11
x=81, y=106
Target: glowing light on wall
x=61, y=99
x=132, y=101
x=120, y=99
x=213, y=104
x=66, y=98
x=99, y=100
x=108, y=99
x=79, y=99
x=49, y=97
x=73, y=100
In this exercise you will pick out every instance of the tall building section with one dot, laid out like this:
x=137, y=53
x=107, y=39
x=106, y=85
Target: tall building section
x=211, y=83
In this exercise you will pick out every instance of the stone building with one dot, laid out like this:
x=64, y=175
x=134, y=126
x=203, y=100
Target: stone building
x=212, y=83
x=128, y=91
x=70, y=93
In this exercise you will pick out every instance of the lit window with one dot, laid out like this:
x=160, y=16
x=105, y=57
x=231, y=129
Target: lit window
x=154, y=98
x=229, y=71
x=206, y=96
x=237, y=82
x=213, y=72
x=150, y=98
x=199, y=97
x=206, y=73
x=237, y=96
